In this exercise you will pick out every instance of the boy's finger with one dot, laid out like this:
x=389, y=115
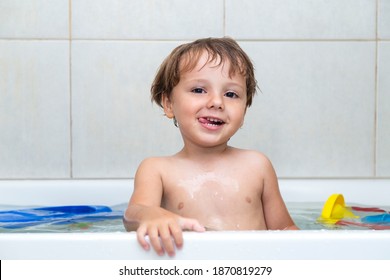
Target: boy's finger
x=141, y=233
x=167, y=242
x=155, y=241
x=191, y=224
x=177, y=235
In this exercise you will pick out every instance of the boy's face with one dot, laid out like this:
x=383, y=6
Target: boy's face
x=208, y=105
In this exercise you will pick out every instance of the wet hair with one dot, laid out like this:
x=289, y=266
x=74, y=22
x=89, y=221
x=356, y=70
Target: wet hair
x=185, y=58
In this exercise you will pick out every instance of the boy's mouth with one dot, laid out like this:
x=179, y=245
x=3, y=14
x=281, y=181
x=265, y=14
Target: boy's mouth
x=211, y=121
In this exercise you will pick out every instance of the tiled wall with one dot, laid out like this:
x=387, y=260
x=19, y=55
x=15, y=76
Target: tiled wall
x=75, y=78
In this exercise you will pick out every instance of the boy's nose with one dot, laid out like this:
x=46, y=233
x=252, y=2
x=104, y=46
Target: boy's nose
x=215, y=102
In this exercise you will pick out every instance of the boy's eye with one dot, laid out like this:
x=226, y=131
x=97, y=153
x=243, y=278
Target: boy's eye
x=198, y=90
x=231, y=94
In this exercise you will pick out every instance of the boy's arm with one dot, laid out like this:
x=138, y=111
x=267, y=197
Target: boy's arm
x=145, y=215
x=275, y=211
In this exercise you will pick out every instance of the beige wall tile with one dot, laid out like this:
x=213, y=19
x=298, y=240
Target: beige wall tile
x=34, y=109
x=147, y=19
x=34, y=19
x=383, y=134
x=301, y=19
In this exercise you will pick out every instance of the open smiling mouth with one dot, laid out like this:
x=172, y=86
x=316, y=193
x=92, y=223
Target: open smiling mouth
x=211, y=121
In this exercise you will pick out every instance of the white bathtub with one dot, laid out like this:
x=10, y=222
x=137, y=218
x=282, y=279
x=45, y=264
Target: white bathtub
x=268, y=245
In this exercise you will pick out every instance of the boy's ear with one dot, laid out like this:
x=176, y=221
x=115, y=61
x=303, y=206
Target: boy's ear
x=167, y=106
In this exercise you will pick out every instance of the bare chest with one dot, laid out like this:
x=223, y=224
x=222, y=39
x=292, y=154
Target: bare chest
x=214, y=198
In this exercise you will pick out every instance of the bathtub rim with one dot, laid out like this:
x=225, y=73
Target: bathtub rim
x=273, y=245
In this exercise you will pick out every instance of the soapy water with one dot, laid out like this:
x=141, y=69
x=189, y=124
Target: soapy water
x=304, y=214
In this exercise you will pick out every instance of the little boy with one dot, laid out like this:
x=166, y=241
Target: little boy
x=205, y=87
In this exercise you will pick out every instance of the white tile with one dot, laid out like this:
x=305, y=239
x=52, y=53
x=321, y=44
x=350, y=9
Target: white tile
x=384, y=19
x=383, y=134
x=34, y=109
x=147, y=19
x=315, y=115
x=301, y=19
x=115, y=125
x=34, y=19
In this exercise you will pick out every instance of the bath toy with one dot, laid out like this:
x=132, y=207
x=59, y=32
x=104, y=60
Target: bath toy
x=335, y=212
x=57, y=215
x=382, y=219
x=334, y=209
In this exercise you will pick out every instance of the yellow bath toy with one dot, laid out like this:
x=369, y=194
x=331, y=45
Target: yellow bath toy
x=335, y=213
x=334, y=210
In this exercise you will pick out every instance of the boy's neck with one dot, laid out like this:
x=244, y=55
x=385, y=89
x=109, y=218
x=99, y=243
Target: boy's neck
x=203, y=153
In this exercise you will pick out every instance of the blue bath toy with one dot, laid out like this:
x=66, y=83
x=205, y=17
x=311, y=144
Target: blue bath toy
x=377, y=219
x=56, y=215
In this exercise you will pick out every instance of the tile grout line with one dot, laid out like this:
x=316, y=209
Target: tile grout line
x=70, y=95
x=375, y=167
x=260, y=40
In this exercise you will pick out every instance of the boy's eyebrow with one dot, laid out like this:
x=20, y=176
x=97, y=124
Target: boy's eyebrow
x=228, y=84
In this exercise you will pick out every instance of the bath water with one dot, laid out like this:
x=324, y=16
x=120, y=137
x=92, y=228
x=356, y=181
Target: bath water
x=304, y=214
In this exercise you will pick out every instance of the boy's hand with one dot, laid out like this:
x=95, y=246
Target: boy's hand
x=165, y=231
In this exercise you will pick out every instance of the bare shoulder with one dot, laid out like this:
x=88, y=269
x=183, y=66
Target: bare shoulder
x=150, y=172
x=153, y=164
x=253, y=158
